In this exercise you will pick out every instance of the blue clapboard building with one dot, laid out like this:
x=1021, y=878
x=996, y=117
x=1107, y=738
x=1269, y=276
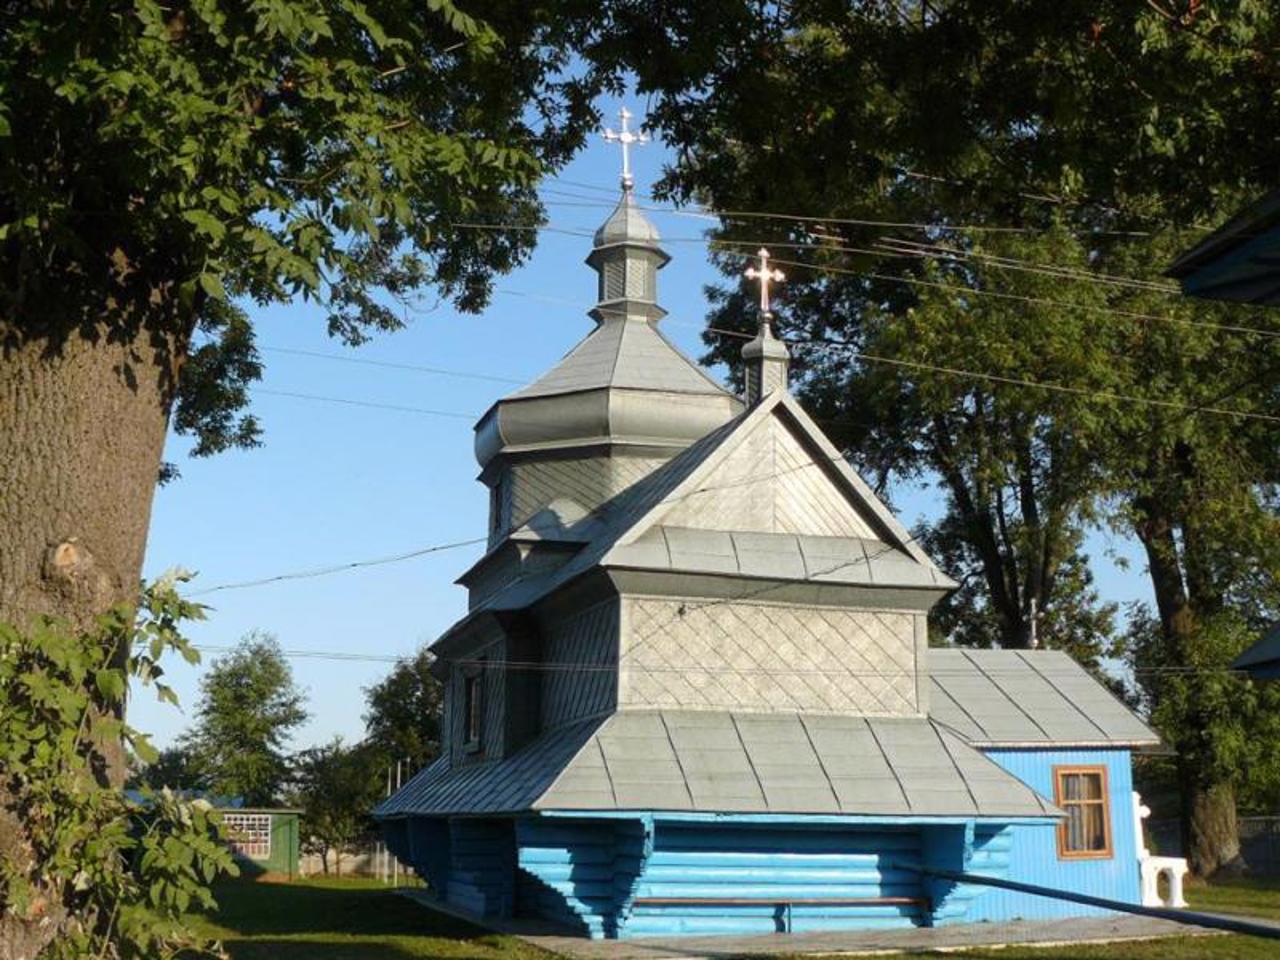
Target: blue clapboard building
x=693, y=691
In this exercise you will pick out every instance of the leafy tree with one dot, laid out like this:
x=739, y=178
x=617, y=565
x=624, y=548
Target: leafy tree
x=84, y=871
x=163, y=164
x=404, y=712
x=248, y=709
x=1023, y=151
x=173, y=767
x=337, y=787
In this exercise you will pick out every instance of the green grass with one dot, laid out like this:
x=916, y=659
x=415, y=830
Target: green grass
x=1253, y=897
x=344, y=919
x=352, y=919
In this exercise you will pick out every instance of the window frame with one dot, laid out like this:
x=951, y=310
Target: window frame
x=1096, y=769
x=473, y=709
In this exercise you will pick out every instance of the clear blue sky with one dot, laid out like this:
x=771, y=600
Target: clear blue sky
x=336, y=483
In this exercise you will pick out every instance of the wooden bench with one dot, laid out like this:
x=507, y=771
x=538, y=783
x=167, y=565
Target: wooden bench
x=785, y=904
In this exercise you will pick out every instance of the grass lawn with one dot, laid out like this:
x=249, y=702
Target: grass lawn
x=333, y=919
x=344, y=919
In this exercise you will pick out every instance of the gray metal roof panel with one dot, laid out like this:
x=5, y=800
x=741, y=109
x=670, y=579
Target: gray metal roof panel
x=626, y=353
x=779, y=763
x=1022, y=697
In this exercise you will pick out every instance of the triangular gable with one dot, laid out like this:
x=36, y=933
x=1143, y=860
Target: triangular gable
x=776, y=472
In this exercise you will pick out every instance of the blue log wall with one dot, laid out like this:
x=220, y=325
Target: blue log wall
x=772, y=864
x=1035, y=858
x=481, y=875
x=579, y=872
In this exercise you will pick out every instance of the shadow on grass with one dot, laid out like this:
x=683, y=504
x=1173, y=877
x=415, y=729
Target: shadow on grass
x=260, y=910
x=311, y=950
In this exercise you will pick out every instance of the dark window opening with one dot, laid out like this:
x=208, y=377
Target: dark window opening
x=472, y=711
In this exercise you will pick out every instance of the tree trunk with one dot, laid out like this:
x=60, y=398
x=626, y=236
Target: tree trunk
x=82, y=428
x=1211, y=834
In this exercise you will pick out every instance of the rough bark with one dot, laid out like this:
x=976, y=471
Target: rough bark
x=82, y=428
x=1210, y=833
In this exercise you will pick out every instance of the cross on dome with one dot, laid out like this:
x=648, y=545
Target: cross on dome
x=625, y=138
x=765, y=275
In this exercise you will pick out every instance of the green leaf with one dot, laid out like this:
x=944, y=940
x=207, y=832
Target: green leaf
x=211, y=284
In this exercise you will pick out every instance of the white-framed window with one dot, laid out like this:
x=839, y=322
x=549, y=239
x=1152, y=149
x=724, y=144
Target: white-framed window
x=248, y=834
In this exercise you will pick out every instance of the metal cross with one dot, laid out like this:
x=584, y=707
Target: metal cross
x=765, y=275
x=625, y=138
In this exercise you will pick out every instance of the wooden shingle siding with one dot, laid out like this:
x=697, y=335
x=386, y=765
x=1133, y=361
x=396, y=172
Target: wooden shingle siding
x=587, y=640
x=758, y=656
x=771, y=483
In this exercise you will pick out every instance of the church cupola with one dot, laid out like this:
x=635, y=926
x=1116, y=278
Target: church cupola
x=765, y=359
x=627, y=258
x=620, y=403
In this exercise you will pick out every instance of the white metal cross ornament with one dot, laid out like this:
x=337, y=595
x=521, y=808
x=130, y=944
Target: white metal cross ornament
x=765, y=275
x=626, y=138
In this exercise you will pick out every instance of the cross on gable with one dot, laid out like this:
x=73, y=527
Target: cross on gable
x=766, y=275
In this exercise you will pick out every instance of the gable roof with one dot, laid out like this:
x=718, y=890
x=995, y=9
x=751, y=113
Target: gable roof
x=1014, y=698
x=780, y=403
x=1238, y=260
x=623, y=521
x=728, y=762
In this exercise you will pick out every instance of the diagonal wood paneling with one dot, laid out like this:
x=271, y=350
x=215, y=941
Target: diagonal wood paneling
x=771, y=484
x=767, y=657
x=587, y=640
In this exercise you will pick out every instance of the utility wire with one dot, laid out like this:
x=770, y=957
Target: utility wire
x=340, y=567
x=347, y=401
x=702, y=210
x=892, y=278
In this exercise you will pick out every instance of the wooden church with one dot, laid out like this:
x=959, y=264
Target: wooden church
x=693, y=692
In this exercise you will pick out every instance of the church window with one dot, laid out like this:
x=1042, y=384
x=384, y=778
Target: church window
x=1081, y=792
x=472, y=710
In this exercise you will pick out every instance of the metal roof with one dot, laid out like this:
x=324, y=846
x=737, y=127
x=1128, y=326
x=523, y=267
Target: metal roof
x=1238, y=261
x=629, y=517
x=1263, y=658
x=1028, y=698
x=729, y=762
x=627, y=224
x=783, y=556
x=623, y=353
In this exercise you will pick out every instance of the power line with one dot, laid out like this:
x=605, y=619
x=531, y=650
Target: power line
x=340, y=567
x=389, y=364
x=702, y=210
x=569, y=667
x=909, y=281
x=1087, y=392
x=347, y=401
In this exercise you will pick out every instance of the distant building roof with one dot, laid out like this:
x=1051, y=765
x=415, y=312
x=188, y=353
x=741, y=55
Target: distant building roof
x=1036, y=698
x=1262, y=660
x=1240, y=261
x=729, y=762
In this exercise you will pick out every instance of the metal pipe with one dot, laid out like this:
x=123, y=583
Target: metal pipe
x=1189, y=917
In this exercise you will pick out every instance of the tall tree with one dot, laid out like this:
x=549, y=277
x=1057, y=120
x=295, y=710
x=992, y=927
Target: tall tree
x=403, y=714
x=337, y=786
x=248, y=710
x=160, y=161
x=969, y=152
